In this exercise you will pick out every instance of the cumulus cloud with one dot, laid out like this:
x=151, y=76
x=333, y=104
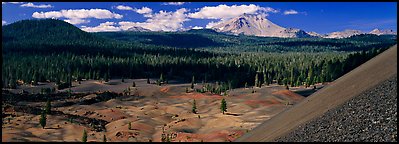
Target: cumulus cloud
x=227, y=12
x=173, y=3
x=77, y=16
x=162, y=21
x=103, y=27
x=122, y=7
x=12, y=2
x=3, y=22
x=76, y=21
x=290, y=12
x=36, y=6
x=143, y=10
x=212, y=24
x=197, y=27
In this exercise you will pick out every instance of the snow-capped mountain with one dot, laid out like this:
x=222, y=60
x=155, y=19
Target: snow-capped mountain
x=344, y=34
x=257, y=25
x=136, y=28
x=382, y=32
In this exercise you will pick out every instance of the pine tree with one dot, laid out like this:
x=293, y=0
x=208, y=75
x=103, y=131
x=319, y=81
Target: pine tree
x=148, y=80
x=192, y=83
x=194, y=107
x=104, y=138
x=246, y=85
x=134, y=84
x=161, y=79
x=186, y=89
x=123, y=80
x=48, y=107
x=43, y=119
x=223, y=106
x=84, y=137
x=256, y=80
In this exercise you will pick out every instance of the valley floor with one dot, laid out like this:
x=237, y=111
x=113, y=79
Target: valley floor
x=152, y=110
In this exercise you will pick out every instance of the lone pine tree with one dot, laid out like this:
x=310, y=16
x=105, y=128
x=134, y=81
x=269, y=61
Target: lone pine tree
x=192, y=83
x=43, y=119
x=194, y=107
x=84, y=137
x=223, y=106
x=104, y=138
x=48, y=107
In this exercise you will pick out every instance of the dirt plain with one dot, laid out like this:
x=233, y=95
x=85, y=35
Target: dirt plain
x=152, y=111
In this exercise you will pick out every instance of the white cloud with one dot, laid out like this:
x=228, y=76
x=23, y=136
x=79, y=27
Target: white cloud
x=290, y=12
x=197, y=27
x=173, y=3
x=76, y=21
x=12, y=2
x=162, y=21
x=122, y=7
x=212, y=24
x=15, y=2
x=103, y=27
x=143, y=10
x=36, y=6
x=3, y=22
x=76, y=16
x=226, y=12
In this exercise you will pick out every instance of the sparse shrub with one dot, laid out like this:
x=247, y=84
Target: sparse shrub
x=130, y=126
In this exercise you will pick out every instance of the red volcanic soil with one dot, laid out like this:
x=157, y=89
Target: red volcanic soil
x=221, y=136
x=196, y=96
x=289, y=94
x=112, y=114
x=165, y=89
x=268, y=102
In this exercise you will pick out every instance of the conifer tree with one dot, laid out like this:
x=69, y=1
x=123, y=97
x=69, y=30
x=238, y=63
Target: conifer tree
x=223, y=106
x=104, y=138
x=48, y=107
x=194, y=107
x=43, y=119
x=84, y=137
x=192, y=83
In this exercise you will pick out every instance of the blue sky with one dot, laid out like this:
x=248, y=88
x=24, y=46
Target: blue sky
x=320, y=17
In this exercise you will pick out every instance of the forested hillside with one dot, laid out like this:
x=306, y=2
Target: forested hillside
x=53, y=50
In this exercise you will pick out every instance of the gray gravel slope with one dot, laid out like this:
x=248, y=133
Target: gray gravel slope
x=370, y=116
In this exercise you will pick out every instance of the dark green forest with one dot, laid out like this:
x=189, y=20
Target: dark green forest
x=55, y=51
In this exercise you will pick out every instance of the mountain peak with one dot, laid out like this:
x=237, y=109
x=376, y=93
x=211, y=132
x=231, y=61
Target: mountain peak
x=257, y=25
x=382, y=32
